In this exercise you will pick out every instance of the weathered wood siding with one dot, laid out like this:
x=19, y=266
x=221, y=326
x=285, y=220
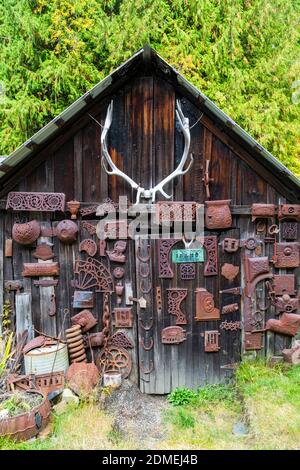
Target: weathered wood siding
x=145, y=144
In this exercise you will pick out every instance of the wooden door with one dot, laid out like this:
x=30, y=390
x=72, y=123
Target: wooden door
x=163, y=367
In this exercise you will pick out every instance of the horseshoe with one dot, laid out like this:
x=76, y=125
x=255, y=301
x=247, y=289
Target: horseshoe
x=146, y=371
x=147, y=348
x=147, y=269
x=146, y=328
x=142, y=288
x=147, y=258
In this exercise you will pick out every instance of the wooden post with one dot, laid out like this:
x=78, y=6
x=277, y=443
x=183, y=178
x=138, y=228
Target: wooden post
x=24, y=315
x=47, y=294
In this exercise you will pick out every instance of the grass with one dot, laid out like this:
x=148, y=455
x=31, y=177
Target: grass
x=266, y=399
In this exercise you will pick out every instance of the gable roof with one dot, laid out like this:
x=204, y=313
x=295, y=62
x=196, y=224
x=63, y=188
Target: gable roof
x=150, y=60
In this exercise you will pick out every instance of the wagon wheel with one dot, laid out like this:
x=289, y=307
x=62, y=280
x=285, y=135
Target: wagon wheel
x=114, y=359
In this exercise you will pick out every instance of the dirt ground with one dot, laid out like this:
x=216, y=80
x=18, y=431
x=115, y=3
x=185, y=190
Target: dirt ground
x=137, y=415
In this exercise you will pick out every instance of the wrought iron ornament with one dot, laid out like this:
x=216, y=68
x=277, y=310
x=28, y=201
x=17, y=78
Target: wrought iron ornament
x=41, y=202
x=175, y=298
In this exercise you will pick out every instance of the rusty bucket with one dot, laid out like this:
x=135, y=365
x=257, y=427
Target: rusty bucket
x=29, y=424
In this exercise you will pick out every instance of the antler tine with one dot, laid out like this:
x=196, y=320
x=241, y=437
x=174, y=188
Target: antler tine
x=105, y=154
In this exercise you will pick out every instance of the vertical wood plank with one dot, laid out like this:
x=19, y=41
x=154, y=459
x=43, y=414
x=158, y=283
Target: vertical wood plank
x=24, y=315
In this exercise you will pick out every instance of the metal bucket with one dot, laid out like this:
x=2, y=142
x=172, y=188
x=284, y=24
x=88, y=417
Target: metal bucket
x=47, y=359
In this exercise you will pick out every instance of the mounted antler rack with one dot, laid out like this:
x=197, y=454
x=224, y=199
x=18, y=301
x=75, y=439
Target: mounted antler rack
x=111, y=169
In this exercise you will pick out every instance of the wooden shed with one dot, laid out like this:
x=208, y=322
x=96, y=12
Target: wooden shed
x=178, y=315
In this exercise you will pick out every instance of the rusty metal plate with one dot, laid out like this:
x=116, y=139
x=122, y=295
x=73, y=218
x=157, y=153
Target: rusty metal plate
x=89, y=246
x=231, y=308
x=42, y=202
x=113, y=230
x=84, y=299
x=230, y=245
x=229, y=271
x=66, y=231
x=262, y=211
x=173, y=335
x=218, y=214
x=176, y=211
x=287, y=255
x=205, y=306
x=85, y=319
x=123, y=317
x=211, y=341
x=231, y=325
x=290, y=230
x=289, y=211
x=89, y=227
x=43, y=252
x=40, y=269
x=284, y=284
x=253, y=341
x=8, y=252
x=106, y=207
x=288, y=324
x=27, y=233
x=120, y=340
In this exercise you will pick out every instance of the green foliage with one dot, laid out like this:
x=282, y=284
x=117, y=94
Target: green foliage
x=181, y=418
x=6, y=346
x=244, y=54
x=6, y=314
x=182, y=396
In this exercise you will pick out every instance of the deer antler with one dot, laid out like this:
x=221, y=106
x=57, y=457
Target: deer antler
x=105, y=154
x=141, y=192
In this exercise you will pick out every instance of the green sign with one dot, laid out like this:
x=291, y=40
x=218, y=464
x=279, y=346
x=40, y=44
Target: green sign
x=188, y=256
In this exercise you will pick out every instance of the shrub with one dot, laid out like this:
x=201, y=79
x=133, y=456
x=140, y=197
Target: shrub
x=182, y=396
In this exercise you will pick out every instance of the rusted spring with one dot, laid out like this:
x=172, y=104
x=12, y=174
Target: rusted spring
x=147, y=348
x=75, y=344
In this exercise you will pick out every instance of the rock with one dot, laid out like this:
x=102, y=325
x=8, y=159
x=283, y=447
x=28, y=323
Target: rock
x=82, y=378
x=4, y=414
x=69, y=397
x=292, y=355
x=240, y=429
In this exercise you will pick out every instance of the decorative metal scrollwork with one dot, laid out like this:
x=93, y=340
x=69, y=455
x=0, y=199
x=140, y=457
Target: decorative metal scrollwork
x=47, y=202
x=175, y=298
x=92, y=273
